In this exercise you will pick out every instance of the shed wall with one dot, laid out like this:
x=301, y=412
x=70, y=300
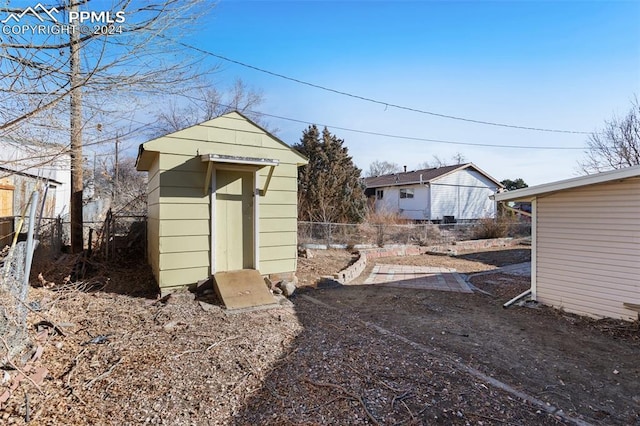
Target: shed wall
x=183, y=210
x=153, y=223
x=588, y=249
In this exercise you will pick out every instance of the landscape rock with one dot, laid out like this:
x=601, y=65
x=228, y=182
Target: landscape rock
x=288, y=288
x=269, y=283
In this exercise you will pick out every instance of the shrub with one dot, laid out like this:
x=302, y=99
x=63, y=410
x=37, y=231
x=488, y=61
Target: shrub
x=491, y=228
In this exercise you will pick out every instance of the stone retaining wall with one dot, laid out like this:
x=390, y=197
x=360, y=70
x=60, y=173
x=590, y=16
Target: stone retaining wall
x=354, y=270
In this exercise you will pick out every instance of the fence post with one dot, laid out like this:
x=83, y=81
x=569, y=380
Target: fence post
x=329, y=236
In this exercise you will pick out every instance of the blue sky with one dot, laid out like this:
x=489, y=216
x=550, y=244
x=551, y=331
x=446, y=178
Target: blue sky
x=560, y=65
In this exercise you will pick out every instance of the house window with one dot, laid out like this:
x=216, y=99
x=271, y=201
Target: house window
x=406, y=193
x=379, y=194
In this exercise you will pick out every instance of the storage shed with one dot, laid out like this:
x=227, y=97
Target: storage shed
x=586, y=243
x=222, y=196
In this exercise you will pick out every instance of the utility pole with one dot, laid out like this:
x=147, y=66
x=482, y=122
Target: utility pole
x=75, y=80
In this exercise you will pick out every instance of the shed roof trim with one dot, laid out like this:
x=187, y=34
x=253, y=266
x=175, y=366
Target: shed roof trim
x=534, y=191
x=232, y=159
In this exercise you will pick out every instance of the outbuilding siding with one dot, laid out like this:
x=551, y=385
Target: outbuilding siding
x=179, y=208
x=588, y=249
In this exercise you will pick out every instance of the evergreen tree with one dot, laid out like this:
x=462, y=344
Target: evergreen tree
x=512, y=185
x=329, y=187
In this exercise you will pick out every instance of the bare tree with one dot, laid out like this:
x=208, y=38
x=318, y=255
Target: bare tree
x=433, y=164
x=617, y=146
x=209, y=103
x=437, y=162
x=92, y=73
x=121, y=182
x=379, y=168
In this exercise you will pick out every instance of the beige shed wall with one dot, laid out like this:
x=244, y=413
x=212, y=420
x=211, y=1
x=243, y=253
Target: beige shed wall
x=588, y=249
x=182, y=240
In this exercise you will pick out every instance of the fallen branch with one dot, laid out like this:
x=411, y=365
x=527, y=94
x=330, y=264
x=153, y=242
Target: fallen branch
x=218, y=343
x=27, y=414
x=103, y=375
x=369, y=378
x=486, y=417
x=211, y=346
x=21, y=372
x=401, y=398
x=346, y=392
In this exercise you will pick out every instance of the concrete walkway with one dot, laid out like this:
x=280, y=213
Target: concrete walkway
x=521, y=269
x=418, y=277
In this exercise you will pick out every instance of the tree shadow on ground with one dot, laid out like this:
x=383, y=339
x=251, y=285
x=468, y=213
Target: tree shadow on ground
x=342, y=368
x=499, y=257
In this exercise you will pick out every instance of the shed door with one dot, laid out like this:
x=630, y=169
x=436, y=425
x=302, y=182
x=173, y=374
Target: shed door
x=234, y=220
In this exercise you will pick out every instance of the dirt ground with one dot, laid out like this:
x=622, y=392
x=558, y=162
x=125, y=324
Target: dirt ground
x=345, y=355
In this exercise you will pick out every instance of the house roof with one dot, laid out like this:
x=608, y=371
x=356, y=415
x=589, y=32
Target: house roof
x=421, y=176
x=527, y=194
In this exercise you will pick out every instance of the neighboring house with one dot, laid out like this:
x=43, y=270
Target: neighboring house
x=586, y=243
x=443, y=194
x=24, y=168
x=251, y=177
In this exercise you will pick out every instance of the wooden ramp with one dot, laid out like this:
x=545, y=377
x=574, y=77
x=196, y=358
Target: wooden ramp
x=244, y=288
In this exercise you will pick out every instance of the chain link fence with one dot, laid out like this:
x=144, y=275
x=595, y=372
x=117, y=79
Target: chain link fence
x=425, y=234
x=116, y=237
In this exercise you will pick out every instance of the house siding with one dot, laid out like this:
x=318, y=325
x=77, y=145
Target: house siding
x=416, y=208
x=588, y=249
x=182, y=241
x=464, y=195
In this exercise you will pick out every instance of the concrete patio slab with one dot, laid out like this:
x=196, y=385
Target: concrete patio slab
x=418, y=277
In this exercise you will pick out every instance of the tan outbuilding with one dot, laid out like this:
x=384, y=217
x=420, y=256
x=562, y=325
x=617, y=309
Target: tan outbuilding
x=586, y=243
x=222, y=196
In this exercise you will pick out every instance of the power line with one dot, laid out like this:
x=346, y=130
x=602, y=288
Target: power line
x=387, y=135
x=414, y=138
x=375, y=101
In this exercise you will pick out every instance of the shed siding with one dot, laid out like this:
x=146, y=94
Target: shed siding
x=153, y=222
x=588, y=249
x=182, y=244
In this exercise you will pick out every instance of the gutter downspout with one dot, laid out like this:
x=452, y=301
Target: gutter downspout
x=518, y=297
x=212, y=218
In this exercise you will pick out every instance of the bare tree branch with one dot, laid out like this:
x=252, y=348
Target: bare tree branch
x=616, y=146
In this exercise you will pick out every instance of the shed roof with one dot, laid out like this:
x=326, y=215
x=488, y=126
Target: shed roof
x=421, y=176
x=146, y=150
x=526, y=194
